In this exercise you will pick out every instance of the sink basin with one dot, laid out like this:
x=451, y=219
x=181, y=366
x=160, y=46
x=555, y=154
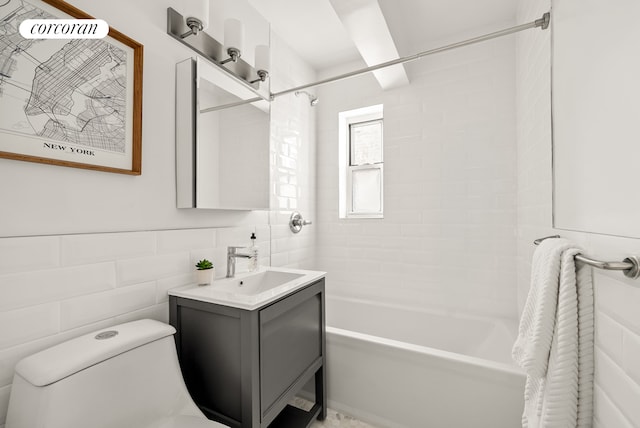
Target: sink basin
x=250, y=290
x=257, y=283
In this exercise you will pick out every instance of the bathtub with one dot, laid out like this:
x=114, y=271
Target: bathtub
x=395, y=367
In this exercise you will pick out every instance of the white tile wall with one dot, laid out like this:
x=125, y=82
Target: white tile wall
x=95, y=307
x=607, y=411
x=132, y=271
x=92, y=248
x=617, y=298
x=41, y=286
x=88, y=284
x=179, y=240
x=293, y=162
x=448, y=237
x=27, y=324
x=614, y=382
x=25, y=254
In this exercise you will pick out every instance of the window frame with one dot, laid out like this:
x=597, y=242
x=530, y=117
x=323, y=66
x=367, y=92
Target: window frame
x=347, y=119
x=353, y=124
x=352, y=214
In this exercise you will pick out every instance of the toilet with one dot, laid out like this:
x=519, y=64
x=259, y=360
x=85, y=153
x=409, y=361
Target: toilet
x=126, y=376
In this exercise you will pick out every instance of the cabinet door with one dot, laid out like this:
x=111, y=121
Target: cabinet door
x=290, y=343
x=210, y=357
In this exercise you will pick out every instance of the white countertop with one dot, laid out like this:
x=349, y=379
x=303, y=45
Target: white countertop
x=221, y=291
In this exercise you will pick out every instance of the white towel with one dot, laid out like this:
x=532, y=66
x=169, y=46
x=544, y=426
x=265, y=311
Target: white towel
x=555, y=340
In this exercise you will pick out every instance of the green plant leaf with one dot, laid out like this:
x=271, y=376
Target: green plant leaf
x=204, y=264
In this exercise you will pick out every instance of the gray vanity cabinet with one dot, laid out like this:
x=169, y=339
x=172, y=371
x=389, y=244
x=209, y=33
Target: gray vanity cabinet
x=242, y=367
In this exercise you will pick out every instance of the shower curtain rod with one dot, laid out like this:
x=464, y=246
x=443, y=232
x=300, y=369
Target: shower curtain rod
x=543, y=23
x=235, y=104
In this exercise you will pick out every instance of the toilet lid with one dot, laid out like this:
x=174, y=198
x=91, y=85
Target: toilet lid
x=186, y=422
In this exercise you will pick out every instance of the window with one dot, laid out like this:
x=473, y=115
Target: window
x=361, y=163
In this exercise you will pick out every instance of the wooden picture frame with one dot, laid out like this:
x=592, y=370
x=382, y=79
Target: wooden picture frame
x=83, y=106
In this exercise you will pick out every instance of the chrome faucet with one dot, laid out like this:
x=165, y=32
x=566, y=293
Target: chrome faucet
x=232, y=255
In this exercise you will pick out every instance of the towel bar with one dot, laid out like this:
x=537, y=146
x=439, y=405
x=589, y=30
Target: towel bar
x=629, y=266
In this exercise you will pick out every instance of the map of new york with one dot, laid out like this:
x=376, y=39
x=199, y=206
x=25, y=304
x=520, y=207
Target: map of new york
x=73, y=91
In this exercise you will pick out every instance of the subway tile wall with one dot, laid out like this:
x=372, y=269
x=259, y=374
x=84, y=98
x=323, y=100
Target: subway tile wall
x=293, y=162
x=617, y=299
x=59, y=287
x=448, y=238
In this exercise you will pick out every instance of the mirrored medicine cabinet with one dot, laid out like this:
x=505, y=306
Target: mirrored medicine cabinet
x=596, y=126
x=222, y=141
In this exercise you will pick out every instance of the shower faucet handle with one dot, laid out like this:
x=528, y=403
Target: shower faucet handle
x=296, y=222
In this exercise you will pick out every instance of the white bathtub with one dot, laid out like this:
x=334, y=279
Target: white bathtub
x=395, y=367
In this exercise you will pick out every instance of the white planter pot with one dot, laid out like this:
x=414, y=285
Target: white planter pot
x=205, y=276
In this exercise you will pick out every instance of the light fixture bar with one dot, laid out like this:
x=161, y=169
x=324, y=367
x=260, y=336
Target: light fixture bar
x=543, y=23
x=214, y=51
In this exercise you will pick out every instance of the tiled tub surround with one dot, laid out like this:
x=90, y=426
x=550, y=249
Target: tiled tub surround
x=617, y=299
x=448, y=237
x=54, y=288
x=446, y=245
x=395, y=366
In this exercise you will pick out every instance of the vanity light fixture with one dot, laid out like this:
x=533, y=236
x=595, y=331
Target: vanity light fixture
x=234, y=39
x=190, y=28
x=194, y=25
x=196, y=17
x=263, y=63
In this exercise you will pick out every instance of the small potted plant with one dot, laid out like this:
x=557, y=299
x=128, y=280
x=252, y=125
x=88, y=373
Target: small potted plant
x=205, y=273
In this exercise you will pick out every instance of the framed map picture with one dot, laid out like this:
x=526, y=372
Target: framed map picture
x=74, y=103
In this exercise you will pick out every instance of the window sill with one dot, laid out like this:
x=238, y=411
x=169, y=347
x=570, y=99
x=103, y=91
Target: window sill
x=362, y=216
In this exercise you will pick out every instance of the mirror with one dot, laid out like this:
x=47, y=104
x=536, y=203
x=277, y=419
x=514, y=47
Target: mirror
x=596, y=115
x=222, y=140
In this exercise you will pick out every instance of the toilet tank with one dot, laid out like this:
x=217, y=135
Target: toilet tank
x=124, y=376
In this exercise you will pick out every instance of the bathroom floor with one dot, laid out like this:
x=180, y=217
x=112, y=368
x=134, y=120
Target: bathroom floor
x=333, y=420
